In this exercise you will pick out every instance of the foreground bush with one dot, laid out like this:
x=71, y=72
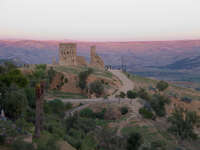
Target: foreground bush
x=124, y=110
x=146, y=113
x=142, y=93
x=2, y=139
x=131, y=94
x=22, y=145
x=87, y=112
x=97, y=88
x=83, y=77
x=183, y=123
x=49, y=144
x=55, y=106
x=15, y=104
x=158, y=104
x=162, y=85
x=134, y=141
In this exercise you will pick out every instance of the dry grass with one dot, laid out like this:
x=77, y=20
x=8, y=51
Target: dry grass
x=173, y=90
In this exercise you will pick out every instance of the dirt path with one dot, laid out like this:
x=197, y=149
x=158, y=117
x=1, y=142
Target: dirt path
x=127, y=83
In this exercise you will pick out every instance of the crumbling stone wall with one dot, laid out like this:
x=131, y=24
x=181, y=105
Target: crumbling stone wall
x=81, y=61
x=54, y=61
x=95, y=60
x=67, y=54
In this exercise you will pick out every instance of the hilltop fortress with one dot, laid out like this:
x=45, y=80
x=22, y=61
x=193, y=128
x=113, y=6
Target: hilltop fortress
x=68, y=56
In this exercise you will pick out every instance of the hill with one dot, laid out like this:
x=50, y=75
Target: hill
x=186, y=63
x=159, y=59
x=137, y=114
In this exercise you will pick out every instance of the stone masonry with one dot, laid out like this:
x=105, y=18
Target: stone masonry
x=67, y=54
x=95, y=60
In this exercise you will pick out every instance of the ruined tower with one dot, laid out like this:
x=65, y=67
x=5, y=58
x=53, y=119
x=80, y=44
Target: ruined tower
x=54, y=61
x=95, y=60
x=67, y=54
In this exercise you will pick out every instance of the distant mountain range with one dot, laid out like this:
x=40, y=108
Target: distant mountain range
x=186, y=63
x=136, y=55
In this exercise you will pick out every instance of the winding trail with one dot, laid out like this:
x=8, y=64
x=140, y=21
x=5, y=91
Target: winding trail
x=127, y=84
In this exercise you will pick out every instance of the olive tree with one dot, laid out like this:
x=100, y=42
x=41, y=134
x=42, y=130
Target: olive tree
x=131, y=94
x=162, y=85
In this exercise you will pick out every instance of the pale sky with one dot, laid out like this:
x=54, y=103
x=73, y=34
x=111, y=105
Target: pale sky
x=100, y=20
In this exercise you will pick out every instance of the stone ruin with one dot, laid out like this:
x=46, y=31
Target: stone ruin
x=68, y=56
x=54, y=61
x=95, y=60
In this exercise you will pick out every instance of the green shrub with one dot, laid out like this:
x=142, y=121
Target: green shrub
x=134, y=141
x=121, y=95
x=142, y=93
x=54, y=125
x=66, y=80
x=183, y=123
x=124, y=110
x=68, y=106
x=23, y=125
x=6, y=128
x=15, y=104
x=30, y=95
x=158, y=104
x=88, y=143
x=87, y=112
x=97, y=88
x=102, y=81
x=62, y=77
x=40, y=72
x=55, y=106
x=51, y=74
x=100, y=115
x=83, y=77
x=146, y=113
x=2, y=139
x=162, y=85
x=108, y=140
x=22, y=145
x=74, y=138
x=131, y=94
x=50, y=143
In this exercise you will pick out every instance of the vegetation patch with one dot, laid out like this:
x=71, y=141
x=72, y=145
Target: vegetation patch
x=60, y=94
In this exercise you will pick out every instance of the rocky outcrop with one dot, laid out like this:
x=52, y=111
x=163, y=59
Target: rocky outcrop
x=95, y=60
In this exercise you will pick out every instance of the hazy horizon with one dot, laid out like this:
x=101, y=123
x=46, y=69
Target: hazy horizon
x=100, y=21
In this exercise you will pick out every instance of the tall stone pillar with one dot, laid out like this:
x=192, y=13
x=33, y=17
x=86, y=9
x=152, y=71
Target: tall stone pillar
x=95, y=60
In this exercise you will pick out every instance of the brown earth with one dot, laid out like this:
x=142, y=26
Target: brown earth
x=72, y=83
x=193, y=106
